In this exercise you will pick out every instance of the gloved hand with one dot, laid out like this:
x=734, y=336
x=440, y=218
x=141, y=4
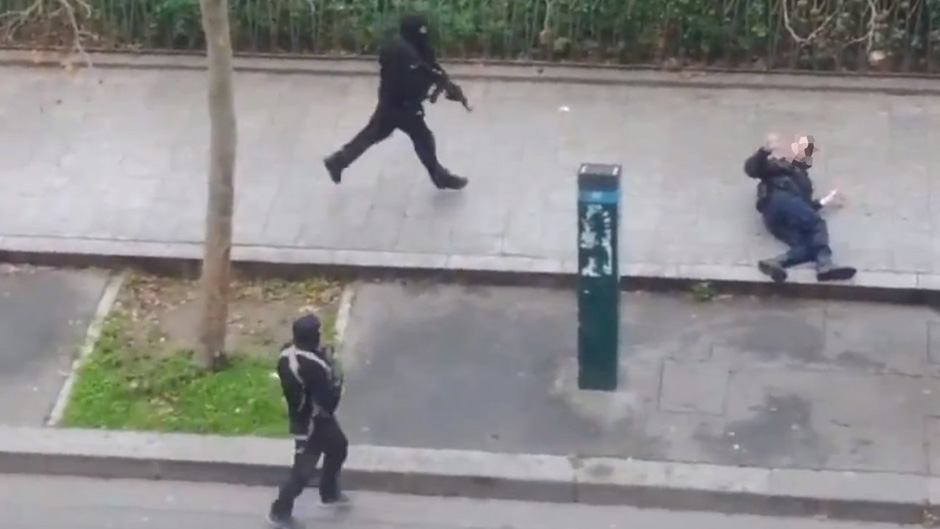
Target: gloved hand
x=329, y=353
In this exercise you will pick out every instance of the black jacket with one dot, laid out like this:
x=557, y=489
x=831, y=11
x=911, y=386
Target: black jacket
x=407, y=66
x=777, y=175
x=311, y=387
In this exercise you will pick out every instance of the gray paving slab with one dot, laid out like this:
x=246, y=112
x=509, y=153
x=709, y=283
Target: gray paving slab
x=693, y=387
x=44, y=315
x=118, y=157
x=737, y=381
x=34, y=502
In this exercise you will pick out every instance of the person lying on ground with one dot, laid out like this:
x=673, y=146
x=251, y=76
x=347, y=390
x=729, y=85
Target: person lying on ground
x=789, y=210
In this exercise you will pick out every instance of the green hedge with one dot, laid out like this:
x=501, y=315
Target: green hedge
x=716, y=32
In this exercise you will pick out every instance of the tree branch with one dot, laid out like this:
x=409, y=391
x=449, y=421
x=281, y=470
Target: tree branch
x=18, y=18
x=869, y=37
x=65, y=8
x=812, y=36
x=78, y=33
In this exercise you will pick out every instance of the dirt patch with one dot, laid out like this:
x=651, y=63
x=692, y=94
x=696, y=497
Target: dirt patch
x=164, y=312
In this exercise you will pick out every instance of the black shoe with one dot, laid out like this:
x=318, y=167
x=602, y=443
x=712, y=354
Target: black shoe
x=774, y=269
x=445, y=179
x=283, y=522
x=335, y=501
x=831, y=272
x=334, y=166
x=455, y=183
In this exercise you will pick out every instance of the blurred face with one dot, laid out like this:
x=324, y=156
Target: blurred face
x=803, y=149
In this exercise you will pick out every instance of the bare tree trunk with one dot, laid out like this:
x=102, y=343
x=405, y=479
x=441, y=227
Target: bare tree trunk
x=216, y=265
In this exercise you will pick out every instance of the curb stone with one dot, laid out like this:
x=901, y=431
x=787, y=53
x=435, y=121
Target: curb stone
x=862, y=496
x=535, y=63
x=504, y=72
x=183, y=259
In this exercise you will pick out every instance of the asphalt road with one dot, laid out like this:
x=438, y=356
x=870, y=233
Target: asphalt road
x=773, y=383
x=44, y=314
x=32, y=502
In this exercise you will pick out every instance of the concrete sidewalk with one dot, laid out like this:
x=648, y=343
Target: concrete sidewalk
x=112, y=162
x=774, y=407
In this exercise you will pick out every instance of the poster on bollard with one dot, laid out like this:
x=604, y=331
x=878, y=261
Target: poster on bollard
x=596, y=242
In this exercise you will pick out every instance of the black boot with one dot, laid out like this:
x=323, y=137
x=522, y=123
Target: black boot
x=336, y=500
x=774, y=268
x=444, y=179
x=334, y=165
x=283, y=521
x=827, y=271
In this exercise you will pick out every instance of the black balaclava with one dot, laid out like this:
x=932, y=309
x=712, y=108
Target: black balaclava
x=307, y=333
x=414, y=29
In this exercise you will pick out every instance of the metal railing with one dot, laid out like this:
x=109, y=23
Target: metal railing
x=885, y=35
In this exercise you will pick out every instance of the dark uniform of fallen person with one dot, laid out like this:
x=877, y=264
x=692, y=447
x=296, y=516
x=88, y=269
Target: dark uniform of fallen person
x=785, y=201
x=408, y=72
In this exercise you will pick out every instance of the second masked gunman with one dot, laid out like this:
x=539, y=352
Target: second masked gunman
x=408, y=72
x=313, y=384
x=785, y=201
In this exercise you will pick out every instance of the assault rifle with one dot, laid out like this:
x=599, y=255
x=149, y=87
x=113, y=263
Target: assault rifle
x=452, y=92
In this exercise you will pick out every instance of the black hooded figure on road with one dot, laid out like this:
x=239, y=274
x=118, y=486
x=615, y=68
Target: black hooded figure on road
x=408, y=71
x=312, y=386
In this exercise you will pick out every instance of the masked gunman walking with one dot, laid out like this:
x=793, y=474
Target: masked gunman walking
x=408, y=72
x=312, y=387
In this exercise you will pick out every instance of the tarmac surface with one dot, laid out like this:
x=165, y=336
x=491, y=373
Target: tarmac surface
x=44, y=315
x=772, y=383
x=28, y=502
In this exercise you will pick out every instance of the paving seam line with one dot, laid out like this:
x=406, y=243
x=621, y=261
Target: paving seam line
x=859, y=496
x=105, y=304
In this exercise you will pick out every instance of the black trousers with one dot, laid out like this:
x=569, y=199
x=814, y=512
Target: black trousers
x=794, y=222
x=385, y=120
x=328, y=439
